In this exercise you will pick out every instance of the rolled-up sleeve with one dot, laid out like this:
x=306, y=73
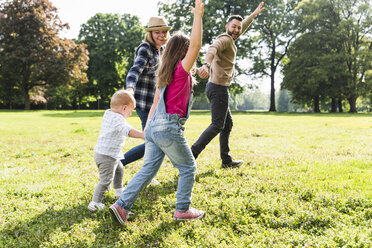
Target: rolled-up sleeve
x=218, y=45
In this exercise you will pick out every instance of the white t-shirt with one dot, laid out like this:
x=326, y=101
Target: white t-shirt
x=114, y=130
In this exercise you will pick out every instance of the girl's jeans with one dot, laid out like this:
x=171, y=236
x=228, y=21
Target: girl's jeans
x=164, y=136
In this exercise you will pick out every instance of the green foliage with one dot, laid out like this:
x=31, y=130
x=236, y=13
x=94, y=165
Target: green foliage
x=332, y=57
x=306, y=182
x=32, y=54
x=111, y=41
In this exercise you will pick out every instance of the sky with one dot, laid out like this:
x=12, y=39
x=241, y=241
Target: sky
x=77, y=12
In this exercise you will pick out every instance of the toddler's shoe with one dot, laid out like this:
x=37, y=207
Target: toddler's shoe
x=118, y=214
x=154, y=182
x=190, y=214
x=118, y=193
x=94, y=206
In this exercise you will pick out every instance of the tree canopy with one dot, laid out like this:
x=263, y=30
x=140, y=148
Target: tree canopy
x=111, y=41
x=32, y=55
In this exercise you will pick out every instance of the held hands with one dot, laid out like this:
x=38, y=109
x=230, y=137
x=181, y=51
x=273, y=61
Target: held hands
x=259, y=9
x=203, y=72
x=199, y=8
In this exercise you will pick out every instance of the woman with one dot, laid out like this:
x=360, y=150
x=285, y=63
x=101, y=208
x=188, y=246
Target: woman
x=141, y=78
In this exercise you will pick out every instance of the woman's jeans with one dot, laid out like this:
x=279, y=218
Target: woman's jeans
x=164, y=136
x=221, y=122
x=136, y=152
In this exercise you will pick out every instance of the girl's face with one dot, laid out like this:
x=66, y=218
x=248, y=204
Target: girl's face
x=159, y=37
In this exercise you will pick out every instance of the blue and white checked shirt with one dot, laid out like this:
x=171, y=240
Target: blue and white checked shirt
x=142, y=75
x=114, y=130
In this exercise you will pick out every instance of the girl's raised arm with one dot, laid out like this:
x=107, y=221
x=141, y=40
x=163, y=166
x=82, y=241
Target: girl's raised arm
x=196, y=36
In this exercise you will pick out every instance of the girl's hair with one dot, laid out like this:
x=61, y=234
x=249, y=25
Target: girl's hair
x=149, y=39
x=175, y=51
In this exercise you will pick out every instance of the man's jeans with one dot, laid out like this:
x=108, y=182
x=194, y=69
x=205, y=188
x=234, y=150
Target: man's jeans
x=164, y=136
x=136, y=152
x=221, y=122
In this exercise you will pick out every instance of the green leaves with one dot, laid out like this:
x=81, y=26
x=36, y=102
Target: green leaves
x=31, y=52
x=111, y=41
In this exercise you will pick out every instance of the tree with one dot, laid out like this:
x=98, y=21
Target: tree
x=323, y=62
x=31, y=52
x=356, y=27
x=275, y=32
x=111, y=41
x=314, y=69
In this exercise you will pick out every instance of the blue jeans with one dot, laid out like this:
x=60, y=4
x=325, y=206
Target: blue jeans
x=136, y=152
x=164, y=136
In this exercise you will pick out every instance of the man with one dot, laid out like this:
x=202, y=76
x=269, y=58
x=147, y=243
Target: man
x=219, y=65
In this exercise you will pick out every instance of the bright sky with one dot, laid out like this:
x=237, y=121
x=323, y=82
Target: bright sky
x=77, y=12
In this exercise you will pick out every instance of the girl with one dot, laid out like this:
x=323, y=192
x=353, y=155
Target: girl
x=164, y=129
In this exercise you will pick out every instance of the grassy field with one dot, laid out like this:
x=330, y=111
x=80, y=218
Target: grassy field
x=306, y=182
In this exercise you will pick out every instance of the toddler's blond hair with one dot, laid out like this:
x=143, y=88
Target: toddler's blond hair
x=122, y=97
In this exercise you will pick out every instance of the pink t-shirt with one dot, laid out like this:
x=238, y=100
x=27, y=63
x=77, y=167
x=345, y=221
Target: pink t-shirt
x=178, y=92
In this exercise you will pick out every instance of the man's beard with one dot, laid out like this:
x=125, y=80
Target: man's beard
x=231, y=34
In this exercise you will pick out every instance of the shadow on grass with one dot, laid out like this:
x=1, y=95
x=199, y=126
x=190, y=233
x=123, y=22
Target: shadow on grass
x=75, y=114
x=291, y=114
x=41, y=228
x=78, y=114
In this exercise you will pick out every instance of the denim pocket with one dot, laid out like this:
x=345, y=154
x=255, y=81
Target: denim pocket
x=162, y=136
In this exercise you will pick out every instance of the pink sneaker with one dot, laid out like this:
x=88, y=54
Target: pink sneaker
x=119, y=214
x=190, y=214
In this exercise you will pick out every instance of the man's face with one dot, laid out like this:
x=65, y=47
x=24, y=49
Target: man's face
x=234, y=28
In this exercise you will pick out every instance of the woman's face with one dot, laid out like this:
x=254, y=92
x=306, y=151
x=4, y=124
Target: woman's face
x=159, y=37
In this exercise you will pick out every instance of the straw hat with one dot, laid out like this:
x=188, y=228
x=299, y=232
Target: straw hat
x=157, y=23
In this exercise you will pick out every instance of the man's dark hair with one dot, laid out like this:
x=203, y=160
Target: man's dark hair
x=237, y=17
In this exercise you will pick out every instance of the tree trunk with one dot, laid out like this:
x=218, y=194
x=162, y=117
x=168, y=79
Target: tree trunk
x=352, y=103
x=339, y=105
x=333, y=106
x=272, y=95
x=272, y=79
x=26, y=97
x=316, y=104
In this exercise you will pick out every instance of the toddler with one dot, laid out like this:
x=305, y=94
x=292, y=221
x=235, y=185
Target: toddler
x=110, y=143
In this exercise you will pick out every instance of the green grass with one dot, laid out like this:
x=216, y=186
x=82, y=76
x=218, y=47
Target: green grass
x=306, y=182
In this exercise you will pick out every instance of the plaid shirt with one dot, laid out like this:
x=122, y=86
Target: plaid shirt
x=114, y=130
x=142, y=75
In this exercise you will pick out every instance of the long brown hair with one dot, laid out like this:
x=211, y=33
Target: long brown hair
x=175, y=51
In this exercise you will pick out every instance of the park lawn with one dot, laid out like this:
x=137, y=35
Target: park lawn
x=306, y=182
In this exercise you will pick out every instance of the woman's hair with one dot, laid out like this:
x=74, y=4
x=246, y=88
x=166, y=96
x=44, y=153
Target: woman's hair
x=122, y=97
x=149, y=39
x=175, y=51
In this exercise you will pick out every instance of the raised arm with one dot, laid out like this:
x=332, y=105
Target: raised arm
x=196, y=36
x=248, y=20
